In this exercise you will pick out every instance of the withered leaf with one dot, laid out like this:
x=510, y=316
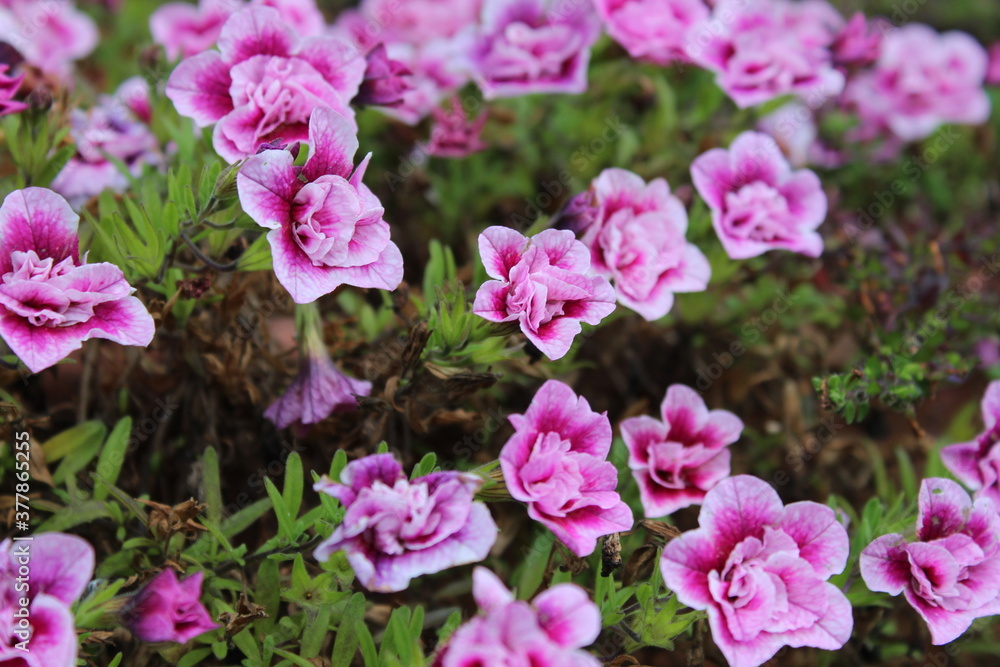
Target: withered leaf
x=246, y=613
x=640, y=564
x=611, y=554
x=659, y=529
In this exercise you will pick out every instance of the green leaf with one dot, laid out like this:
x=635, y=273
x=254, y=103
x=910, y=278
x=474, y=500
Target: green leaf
x=66, y=442
x=192, y=658
x=267, y=593
x=345, y=645
x=294, y=481
x=535, y=561
x=367, y=643
x=74, y=515
x=316, y=627
x=286, y=523
x=109, y=464
x=212, y=484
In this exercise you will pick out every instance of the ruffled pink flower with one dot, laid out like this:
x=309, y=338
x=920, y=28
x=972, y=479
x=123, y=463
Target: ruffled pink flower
x=652, y=30
x=793, y=128
x=453, y=134
x=326, y=225
x=548, y=632
x=60, y=567
x=8, y=89
x=168, y=610
x=415, y=22
x=264, y=82
x=395, y=529
x=543, y=284
x=49, y=302
x=977, y=463
x=50, y=35
x=636, y=239
x=922, y=79
x=760, y=570
x=678, y=460
x=386, y=81
x=951, y=574
x=109, y=130
x=533, y=46
x=859, y=42
x=437, y=69
x=556, y=463
x=758, y=203
x=760, y=51
x=993, y=72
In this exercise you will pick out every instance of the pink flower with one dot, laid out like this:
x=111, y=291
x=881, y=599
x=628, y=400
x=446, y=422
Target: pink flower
x=993, y=73
x=437, y=70
x=60, y=567
x=264, y=82
x=548, y=632
x=533, y=46
x=556, y=462
x=859, y=42
x=543, y=284
x=760, y=570
x=415, y=22
x=50, y=35
x=395, y=529
x=678, y=460
x=8, y=89
x=758, y=203
x=977, y=463
x=636, y=238
x=168, y=610
x=453, y=134
x=49, y=302
x=951, y=574
x=109, y=130
x=793, y=127
x=760, y=51
x=652, y=30
x=386, y=81
x=921, y=80
x=326, y=225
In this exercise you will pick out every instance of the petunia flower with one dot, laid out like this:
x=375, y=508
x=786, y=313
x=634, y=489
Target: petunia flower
x=50, y=35
x=49, y=302
x=760, y=570
x=386, y=81
x=326, y=225
x=977, y=463
x=168, y=610
x=395, y=529
x=454, y=134
x=556, y=463
x=8, y=89
x=652, y=30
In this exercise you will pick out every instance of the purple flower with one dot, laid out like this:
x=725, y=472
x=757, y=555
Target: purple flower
x=652, y=30
x=49, y=302
x=326, y=225
x=8, y=88
x=168, y=610
x=637, y=240
x=977, y=463
x=760, y=51
x=386, y=81
x=548, y=632
x=112, y=129
x=50, y=37
x=993, y=73
x=921, y=80
x=760, y=570
x=453, y=134
x=758, y=203
x=533, y=46
x=395, y=529
x=951, y=574
x=556, y=462
x=60, y=567
x=264, y=82
x=678, y=460
x=543, y=284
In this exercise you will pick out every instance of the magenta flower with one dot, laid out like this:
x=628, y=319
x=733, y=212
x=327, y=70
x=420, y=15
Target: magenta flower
x=678, y=460
x=49, y=37
x=395, y=529
x=758, y=203
x=977, y=463
x=793, y=127
x=109, y=130
x=760, y=51
x=548, y=632
x=760, y=570
x=951, y=574
x=416, y=22
x=993, y=72
x=49, y=302
x=556, y=463
x=922, y=79
x=437, y=70
x=859, y=42
x=453, y=134
x=60, y=566
x=168, y=610
x=636, y=238
x=185, y=30
x=655, y=31
x=386, y=81
x=264, y=82
x=326, y=225
x=8, y=89
x=543, y=284
x=533, y=46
